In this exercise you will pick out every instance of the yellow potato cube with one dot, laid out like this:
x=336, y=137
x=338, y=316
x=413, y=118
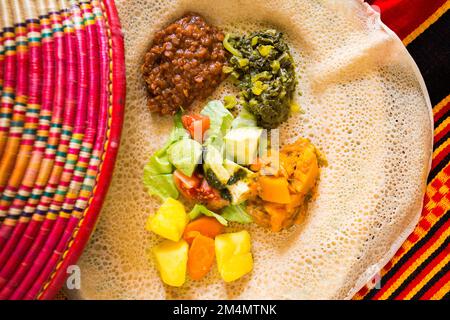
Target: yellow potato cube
x=233, y=255
x=171, y=259
x=238, y=266
x=169, y=221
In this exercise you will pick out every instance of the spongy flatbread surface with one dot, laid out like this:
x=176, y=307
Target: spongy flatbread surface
x=366, y=109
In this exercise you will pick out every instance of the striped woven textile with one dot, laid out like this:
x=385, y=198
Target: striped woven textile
x=421, y=269
x=62, y=89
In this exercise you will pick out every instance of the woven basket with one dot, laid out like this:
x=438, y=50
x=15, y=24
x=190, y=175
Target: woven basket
x=62, y=93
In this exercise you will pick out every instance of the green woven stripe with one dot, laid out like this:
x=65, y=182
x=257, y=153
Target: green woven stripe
x=85, y=149
x=29, y=131
x=61, y=154
x=10, y=95
x=33, y=110
x=71, y=161
x=7, y=198
x=47, y=35
x=35, y=196
x=66, y=132
x=77, y=141
x=87, y=188
x=53, y=146
x=47, y=194
x=60, y=192
x=80, y=169
x=16, y=123
x=34, y=39
x=23, y=198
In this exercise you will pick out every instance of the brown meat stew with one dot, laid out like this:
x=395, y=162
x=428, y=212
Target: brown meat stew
x=184, y=63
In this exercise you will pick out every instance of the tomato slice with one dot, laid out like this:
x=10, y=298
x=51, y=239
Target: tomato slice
x=188, y=182
x=211, y=196
x=197, y=125
x=186, y=185
x=197, y=188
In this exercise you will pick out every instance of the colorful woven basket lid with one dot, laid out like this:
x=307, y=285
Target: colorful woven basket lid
x=62, y=88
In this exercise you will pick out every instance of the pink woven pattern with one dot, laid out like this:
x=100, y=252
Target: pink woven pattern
x=55, y=44
x=55, y=133
x=20, y=105
x=31, y=116
x=2, y=58
x=9, y=84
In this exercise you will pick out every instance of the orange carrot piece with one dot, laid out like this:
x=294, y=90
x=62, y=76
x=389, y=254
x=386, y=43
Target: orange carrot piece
x=207, y=226
x=201, y=257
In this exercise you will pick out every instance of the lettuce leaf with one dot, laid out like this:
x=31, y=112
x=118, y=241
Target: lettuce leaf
x=185, y=155
x=158, y=164
x=244, y=119
x=237, y=213
x=220, y=122
x=201, y=209
x=178, y=132
x=161, y=185
x=157, y=172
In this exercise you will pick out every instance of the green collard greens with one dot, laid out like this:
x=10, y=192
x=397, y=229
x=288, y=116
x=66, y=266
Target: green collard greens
x=264, y=68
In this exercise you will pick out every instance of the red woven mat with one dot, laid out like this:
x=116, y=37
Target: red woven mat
x=420, y=269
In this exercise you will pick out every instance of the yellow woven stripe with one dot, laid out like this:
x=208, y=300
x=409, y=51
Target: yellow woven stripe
x=9, y=222
x=442, y=292
x=10, y=53
x=419, y=232
x=442, y=126
x=34, y=25
x=431, y=218
x=432, y=19
x=8, y=89
x=358, y=296
x=24, y=219
x=45, y=21
x=415, y=264
x=78, y=136
x=441, y=147
x=38, y=217
x=431, y=191
x=64, y=215
x=441, y=105
x=428, y=277
x=20, y=29
x=51, y=216
x=22, y=99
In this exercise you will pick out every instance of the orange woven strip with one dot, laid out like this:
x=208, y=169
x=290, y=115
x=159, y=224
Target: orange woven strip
x=432, y=19
x=437, y=203
x=416, y=261
x=444, y=289
x=426, y=275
